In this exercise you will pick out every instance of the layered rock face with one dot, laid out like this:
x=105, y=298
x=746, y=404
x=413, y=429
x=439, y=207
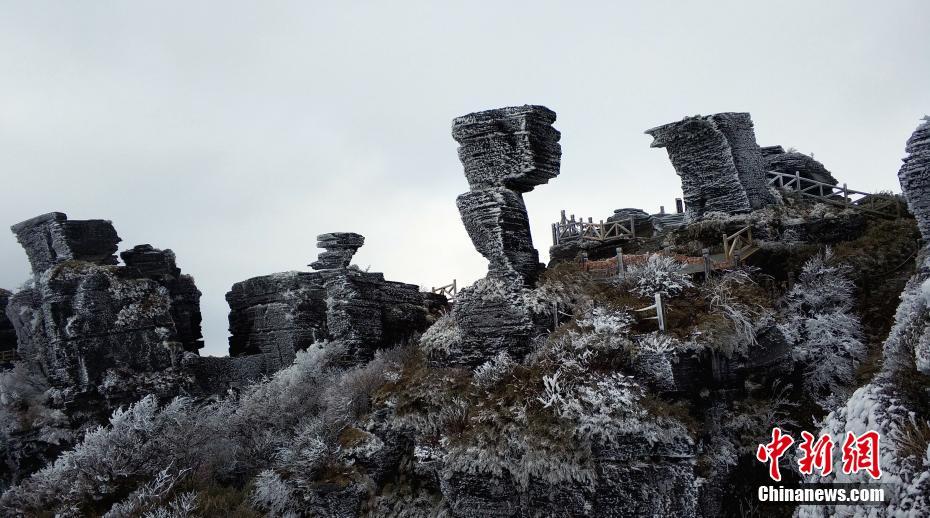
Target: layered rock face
x=505, y=152
x=701, y=155
x=277, y=315
x=160, y=266
x=340, y=248
x=82, y=316
x=50, y=239
x=720, y=164
x=747, y=156
x=791, y=162
x=7, y=333
x=915, y=176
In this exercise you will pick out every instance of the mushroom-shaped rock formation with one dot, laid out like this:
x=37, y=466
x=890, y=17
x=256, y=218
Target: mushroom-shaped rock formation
x=340, y=248
x=505, y=152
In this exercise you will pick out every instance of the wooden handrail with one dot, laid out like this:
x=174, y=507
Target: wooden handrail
x=449, y=290
x=840, y=195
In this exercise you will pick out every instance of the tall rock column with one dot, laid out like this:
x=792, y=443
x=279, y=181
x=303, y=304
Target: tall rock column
x=738, y=129
x=914, y=176
x=721, y=165
x=505, y=152
x=701, y=155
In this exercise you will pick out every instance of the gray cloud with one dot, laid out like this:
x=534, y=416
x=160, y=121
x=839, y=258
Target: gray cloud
x=233, y=133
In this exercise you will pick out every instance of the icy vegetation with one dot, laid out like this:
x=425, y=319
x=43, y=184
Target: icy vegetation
x=826, y=334
x=540, y=392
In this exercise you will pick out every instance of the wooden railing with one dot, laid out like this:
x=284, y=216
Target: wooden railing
x=738, y=244
x=7, y=356
x=841, y=195
x=568, y=229
x=659, y=308
x=449, y=290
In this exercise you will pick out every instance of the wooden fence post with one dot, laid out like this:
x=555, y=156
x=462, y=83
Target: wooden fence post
x=736, y=258
x=705, y=253
x=555, y=233
x=660, y=312
x=845, y=194
x=584, y=260
x=797, y=181
x=632, y=227
x=555, y=315
x=620, y=269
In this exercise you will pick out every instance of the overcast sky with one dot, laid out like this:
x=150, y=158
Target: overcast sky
x=234, y=133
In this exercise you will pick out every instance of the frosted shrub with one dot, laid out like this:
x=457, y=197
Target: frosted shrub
x=493, y=371
x=827, y=336
x=745, y=320
x=148, y=498
x=603, y=320
x=659, y=274
x=442, y=338
x=273, y=495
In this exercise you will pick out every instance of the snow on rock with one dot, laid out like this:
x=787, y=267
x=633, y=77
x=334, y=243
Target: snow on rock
x=915, y=176
x=702, y=155
x=52, y=238
x=505, y=152
x=791, y=162
x=282, y=313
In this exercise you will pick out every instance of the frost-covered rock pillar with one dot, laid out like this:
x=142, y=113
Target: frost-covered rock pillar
x=712, y=175
x=83, y=322
x=505, y=152
x=738, y=129
x=915, y=176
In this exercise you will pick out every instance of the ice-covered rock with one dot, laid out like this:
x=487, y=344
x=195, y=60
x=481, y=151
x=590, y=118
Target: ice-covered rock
x=738, y=129
x=280, y=314
x=81, y=315
x=703, y=157
x=505, y=152
x=791, y=162
x=340, y=248
x=7, y=333
x=160, y=266
x=51, y=238
x=915, y=176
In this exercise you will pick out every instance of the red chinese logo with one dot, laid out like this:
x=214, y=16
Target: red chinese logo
x=816, y=454
x=861, y=454
x=773, y=451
